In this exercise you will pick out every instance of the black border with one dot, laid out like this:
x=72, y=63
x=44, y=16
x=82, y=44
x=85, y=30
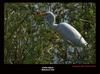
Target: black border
x=57, y=67
x=37, y=67
x=1, y=33
x=48, y=0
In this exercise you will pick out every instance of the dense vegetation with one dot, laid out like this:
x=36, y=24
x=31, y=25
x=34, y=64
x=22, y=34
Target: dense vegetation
x=29, y=40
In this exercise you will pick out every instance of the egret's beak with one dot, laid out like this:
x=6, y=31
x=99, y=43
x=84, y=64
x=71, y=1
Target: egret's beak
x=40, y=13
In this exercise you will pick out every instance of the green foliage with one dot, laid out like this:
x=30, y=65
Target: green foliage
x=28, y=40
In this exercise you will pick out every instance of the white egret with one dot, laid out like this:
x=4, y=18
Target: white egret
x=68, y=32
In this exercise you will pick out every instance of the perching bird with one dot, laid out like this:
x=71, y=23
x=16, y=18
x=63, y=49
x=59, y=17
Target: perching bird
x=68, y=32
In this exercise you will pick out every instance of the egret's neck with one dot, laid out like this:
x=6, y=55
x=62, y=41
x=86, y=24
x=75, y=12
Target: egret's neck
x=50, y=19
x=51, y=22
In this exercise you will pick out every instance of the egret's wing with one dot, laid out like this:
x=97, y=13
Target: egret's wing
x=70, y=33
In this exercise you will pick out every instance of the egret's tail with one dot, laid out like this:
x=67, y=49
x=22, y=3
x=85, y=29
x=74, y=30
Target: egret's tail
x=83, y=42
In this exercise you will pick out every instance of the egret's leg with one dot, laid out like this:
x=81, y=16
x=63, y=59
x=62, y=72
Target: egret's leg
x=66, y=46
x=79, y=50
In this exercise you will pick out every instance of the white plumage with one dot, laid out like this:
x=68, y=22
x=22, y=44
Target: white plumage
x=68, y=32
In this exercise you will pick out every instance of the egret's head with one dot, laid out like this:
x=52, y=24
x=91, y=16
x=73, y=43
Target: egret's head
x=48, y=16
